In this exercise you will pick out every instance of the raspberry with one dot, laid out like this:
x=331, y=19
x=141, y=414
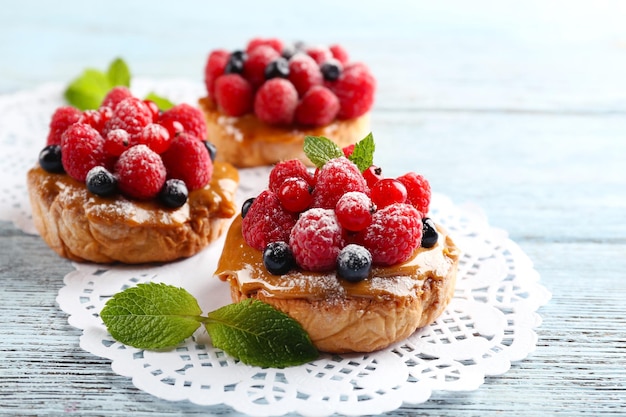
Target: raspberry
x=316, y=240
x=295, y=194
x=304, y=73
x=320, y=54
x=115, y=96
x=347, y=150
x=388, y=191
x=190, y=117
x=215, y=65
x=274, y=43
x=233, y=95
x=318, y=107
x=339, y=53
x=140, y=173
x=266, y=221
x=418, y=191
x=394, y=235
x=62, y=118
x=337, y=177
x=81, y=150
x=156, y=137
x=187, y=159
x=132, y=115
x=116, y=142
x=288, y=169
x=276, y=101
x=354, y=211
x=258, y=59
x=355, y=90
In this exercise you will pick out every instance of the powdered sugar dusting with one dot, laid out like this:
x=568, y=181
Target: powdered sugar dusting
x=228, y=123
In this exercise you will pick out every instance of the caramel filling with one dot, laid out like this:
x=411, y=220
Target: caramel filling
x=243, y=267
x=215, y=199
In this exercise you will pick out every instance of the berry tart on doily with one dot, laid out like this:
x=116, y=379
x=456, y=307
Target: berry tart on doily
x=263, y=100
x=130, y=183
x=349, y=254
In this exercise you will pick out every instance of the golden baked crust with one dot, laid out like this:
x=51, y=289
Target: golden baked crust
x=83, y=227
x=343, y=317
x=247, y=142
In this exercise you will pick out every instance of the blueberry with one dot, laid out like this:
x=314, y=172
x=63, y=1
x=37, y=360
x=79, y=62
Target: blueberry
x=101, y=182
x=277, y=68
x=278, y=259
x=212, y=150
x=246, y=206
x=354, y=263
x=331, y=69
x=429, y=233
x=50, y=159
x=235, y=63
x=174, y=193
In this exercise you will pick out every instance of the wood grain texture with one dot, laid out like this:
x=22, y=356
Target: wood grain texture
x=520, y=108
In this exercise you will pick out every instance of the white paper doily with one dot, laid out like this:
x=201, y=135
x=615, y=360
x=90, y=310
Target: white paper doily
x=489, y=323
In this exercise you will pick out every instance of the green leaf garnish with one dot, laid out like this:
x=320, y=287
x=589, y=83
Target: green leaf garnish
x=159, y=316
x=320, y=150
x=363, y=154
x=161, y=102
x=257, y=333
x=88, y=90
x=151, y=316
x=118, y=73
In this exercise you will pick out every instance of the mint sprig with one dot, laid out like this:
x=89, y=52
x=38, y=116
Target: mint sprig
x=88, y=90
x=320, y=150
x=160, y=316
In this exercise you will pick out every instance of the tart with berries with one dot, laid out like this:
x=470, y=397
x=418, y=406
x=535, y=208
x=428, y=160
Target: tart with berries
x=130, y=183
x=262, y=101
x=349, y=254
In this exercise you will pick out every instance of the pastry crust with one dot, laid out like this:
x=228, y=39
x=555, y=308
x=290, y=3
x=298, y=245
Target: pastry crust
x=247, y=142
x=362, y=317
x=83, y=227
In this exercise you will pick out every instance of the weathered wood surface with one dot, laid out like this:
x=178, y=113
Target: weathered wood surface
x=520, y=108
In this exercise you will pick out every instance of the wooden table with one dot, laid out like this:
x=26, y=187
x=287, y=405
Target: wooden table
x=517, y=107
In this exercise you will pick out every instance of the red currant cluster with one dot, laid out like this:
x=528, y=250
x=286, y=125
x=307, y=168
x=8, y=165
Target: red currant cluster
x=128, y=145
x=308, y=85
x=336, y=218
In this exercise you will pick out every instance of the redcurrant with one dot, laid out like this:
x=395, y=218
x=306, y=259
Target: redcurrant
x=156, y=137
x=372, y=175
x=388, y=191
x=295, y=194
x=116, y=142
x=354, y=211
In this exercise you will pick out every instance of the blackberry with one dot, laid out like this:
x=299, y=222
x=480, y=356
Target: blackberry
x=174, y=193
x=277, y=68
x=429, y=233
x=331, y=70
x=101, y=181
x=212, y=150
x=246, y=206
x=277, y=258
x=50, y=159
x=354, y=263
x=235, y=63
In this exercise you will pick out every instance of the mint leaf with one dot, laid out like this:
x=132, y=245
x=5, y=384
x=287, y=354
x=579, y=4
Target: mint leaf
x=159, y=316
x=162, y=103
x=320, y=150
x=363, y=154
x=88, y=90
x=151, y=316
x=118, y=73
x=259, y=335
